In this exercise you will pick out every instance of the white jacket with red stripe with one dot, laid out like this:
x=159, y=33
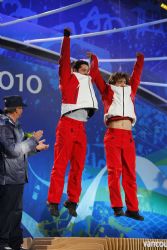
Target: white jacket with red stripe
x=119, y=101
x=77, y=90
x=122, y=104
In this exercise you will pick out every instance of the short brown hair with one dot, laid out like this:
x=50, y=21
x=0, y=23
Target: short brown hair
x=118, y=75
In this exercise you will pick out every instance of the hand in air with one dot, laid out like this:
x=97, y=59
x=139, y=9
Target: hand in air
x=89, y=54
x=67, y=32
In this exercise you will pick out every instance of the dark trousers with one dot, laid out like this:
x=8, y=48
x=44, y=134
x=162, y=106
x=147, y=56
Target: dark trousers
x=11, y=215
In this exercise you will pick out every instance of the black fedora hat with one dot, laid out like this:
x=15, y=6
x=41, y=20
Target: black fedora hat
x=13, y=101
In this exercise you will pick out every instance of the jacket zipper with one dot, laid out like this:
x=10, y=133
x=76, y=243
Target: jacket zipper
x=123, y=102
x=91, y=92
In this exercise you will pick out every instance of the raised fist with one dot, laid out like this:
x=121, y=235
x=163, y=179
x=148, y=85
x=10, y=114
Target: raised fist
x=139, y=54
x=67, y=32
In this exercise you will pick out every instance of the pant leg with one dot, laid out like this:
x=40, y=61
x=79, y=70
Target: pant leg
x=77, y=163
x=11, y=214
x=129, y=173
x=6, y=208
x=62, y=154
x=112, y=144
x=16, y=235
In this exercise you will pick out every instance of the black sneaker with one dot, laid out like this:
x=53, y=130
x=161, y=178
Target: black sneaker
x=118, y=211
x=134, y=215
x=71, y=206
x=53, y=209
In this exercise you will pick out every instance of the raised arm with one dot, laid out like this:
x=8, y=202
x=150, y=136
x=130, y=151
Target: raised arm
x=64, y=62
x=105, y=91
x=100, y=83
x=95, y=73
x=136, y=74
x=93, y=65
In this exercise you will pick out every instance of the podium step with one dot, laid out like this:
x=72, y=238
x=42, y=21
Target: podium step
x=93, y=243
x=73, y=243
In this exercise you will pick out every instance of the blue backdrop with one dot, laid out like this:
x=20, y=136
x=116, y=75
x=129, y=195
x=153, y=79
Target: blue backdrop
x=37, y=82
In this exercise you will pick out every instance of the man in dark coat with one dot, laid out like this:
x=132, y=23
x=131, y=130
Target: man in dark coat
x=14, y=149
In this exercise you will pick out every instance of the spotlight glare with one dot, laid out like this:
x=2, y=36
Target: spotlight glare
x=163, y=6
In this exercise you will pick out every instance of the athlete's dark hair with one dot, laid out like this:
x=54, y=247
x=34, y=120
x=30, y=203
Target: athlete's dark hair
x=76, y=65
x=9, y=110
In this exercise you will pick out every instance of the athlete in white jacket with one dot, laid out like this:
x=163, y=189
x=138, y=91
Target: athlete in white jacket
x=119, y=115
x=78, y=105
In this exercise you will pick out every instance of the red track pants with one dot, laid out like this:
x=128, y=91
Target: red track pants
x=121, y=159
x=70, y=146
